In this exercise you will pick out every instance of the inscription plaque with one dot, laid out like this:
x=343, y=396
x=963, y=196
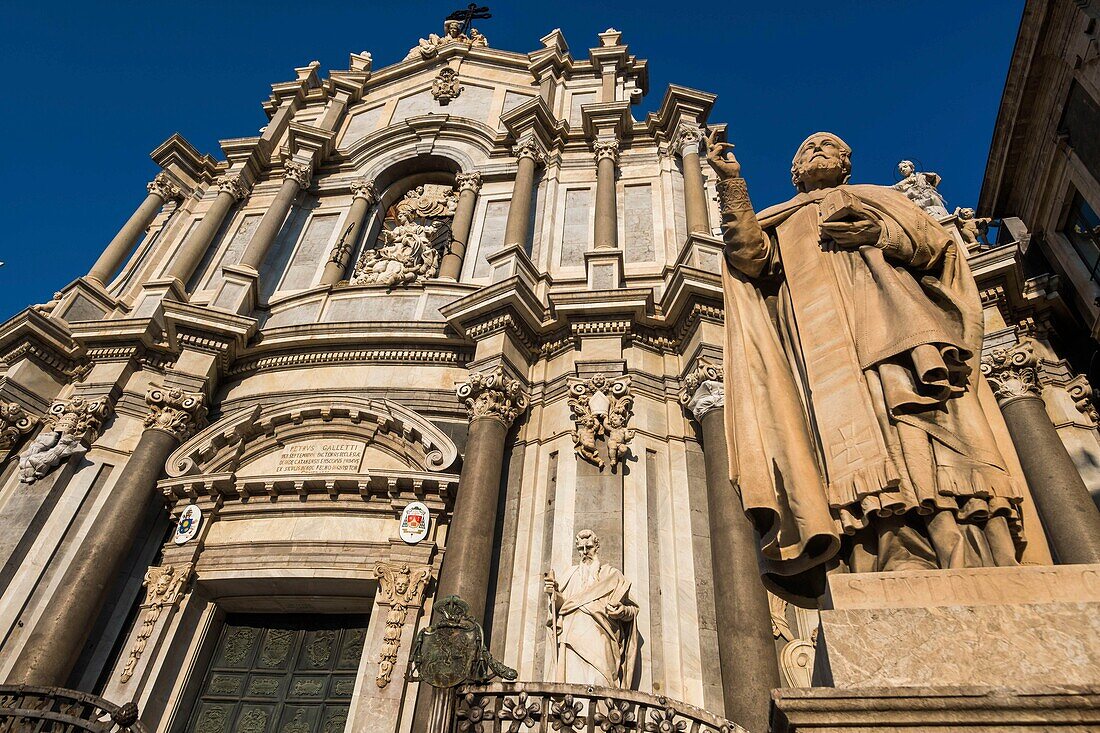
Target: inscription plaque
x=321, y=456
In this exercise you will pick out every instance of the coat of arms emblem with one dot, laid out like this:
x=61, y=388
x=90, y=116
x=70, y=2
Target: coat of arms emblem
x=452, y=650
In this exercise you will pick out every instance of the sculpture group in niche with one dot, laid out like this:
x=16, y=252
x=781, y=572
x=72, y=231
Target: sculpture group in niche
x=412, y=244
x=601, y=408
x=868, y=439
x=592, y=621
x=920, y=188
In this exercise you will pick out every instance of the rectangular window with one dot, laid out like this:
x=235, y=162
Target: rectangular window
x=1082, y=229
x=276, y=673
x=1080, y=121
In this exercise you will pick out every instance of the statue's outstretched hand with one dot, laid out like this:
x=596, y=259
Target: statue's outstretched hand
x=721, y=158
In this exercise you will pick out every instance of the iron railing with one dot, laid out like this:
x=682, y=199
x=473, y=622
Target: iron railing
x=27, y=709
x=538, y=707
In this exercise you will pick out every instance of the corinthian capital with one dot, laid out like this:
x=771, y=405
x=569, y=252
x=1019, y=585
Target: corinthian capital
x=162, y=186
x=687, y=138
x=470, y=181
x=606, y=149
x=364, y=189
x=1013, y=372
x=703, y=390
x=78, y=417
x=174, y=411
x=233, y=185
x=297, y=172
x=14, y=424
x=529, y=147
x=493, y=395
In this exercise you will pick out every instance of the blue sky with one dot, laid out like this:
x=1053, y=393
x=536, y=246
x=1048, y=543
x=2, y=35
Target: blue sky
x=93, y=87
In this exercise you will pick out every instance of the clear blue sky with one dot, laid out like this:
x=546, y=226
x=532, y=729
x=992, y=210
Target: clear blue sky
x=94, y=86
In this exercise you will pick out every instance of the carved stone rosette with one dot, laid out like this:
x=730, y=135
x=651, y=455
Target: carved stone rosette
x=445, y=87
x=174, y=411
x=606, y=149
x=163, y=586
x=14, y=424
x=601, y=409
x=234, y=185
x=1013, y=372
x=703, y=390
x=162, y=186
x=493, y=395
x=470, y=181
x=298, y=172
x=399, y=587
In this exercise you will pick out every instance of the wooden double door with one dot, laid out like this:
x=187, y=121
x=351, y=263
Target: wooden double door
x=281, y=674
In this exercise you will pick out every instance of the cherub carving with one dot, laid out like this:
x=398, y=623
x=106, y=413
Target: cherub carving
x=974, y=229
x=588, y=429
x=45, y=453
x=618, y=434
x=601, y=409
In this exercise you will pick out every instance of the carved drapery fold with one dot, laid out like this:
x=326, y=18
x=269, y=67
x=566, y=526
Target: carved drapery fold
x=703, y=390
x=493, y=395
x=162, y=186
x=601, y=409
x=14, y=424
x=1013, y=372
x=175, y=411
x=233, y=185
x=163, y=589
x=400, y=586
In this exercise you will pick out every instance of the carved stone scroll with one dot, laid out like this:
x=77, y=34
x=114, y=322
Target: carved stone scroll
x=1013, y=372
x=492, y=394
x=14, y=424
x=175, y=411
x=399, y=586
x=163, y=586
x=601, y=409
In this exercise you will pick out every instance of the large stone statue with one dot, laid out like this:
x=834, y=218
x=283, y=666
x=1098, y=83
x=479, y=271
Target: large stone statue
x=595, y=637
x=861, y=432
x=920, y=188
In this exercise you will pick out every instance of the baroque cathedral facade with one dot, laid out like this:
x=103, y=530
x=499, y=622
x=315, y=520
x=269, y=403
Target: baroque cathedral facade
x=338, y=418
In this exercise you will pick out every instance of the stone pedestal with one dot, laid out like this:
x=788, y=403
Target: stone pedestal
x=999, y=627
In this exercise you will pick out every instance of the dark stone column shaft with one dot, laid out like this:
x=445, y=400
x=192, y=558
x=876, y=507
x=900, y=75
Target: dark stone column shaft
x=58, y=638
x=1070, y=518
x=746, y=648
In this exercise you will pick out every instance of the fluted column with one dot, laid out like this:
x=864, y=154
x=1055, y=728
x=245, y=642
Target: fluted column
x=746, y=649
x=468, y=186
x=364, y=196
x=296, y=177
x=1071, y=520
x=606, y=234
x=161, y=190
x=231, y=189
x=688, y=138
x=493, y=402
x=55, y=643
x=517, y=229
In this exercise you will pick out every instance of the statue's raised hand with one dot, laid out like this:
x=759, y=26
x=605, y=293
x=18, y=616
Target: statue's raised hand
x=721, y=158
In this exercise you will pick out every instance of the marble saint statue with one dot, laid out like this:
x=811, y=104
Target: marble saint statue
x=595, y=636
x=921, y=188
x=862, y=434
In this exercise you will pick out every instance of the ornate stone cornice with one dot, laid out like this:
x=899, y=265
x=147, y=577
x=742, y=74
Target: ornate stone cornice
x=468, y=181
x=529, y=148
x=364, y=189
x=14, y=424
x=79, y=417
x=174, y=411
x=703, y=390
x=400, y=586
x=234, y=185
x=493, y=395
x=1013, y=372
x=162, y=186
x=687, y=139
x=298, y=172
x=606, y=149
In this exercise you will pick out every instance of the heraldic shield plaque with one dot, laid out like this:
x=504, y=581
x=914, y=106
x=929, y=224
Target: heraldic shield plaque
x=452, y=651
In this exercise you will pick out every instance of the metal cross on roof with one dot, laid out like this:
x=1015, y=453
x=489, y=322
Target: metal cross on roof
x=469, y=14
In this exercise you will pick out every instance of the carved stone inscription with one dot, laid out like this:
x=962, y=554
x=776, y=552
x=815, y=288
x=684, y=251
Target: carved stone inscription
x=321, y=456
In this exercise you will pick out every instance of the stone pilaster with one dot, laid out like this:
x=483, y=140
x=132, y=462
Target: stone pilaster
x=1070, y=518
x=468, y=185
x=746, y=650
x=400, y=589
x=296, y=177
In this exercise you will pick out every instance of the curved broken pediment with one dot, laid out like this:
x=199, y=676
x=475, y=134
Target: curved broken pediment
x=347, y=435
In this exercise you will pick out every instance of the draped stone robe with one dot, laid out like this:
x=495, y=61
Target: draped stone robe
x=854, y=395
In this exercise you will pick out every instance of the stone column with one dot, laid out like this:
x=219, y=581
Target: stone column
x=55, y=643
x=364, y=196
x=296, y=177
x=688, y=138
x=468, y=186
x=606, y=234
x=517, y=228
x=161, y=190
x=746, y=649
x=493, y=402
x=1071, y=520
x=231, y=189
